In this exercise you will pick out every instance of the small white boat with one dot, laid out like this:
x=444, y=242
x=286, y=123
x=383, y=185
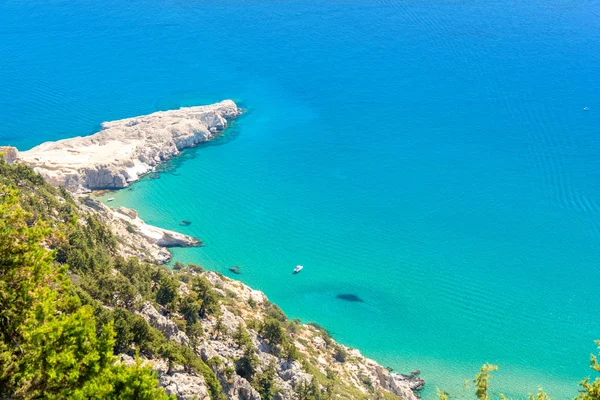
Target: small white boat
x=586, y=109
x=111, y=199
x=298, y=268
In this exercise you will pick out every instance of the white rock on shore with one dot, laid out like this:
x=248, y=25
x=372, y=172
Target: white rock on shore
x=126, y=149
x=137, y=238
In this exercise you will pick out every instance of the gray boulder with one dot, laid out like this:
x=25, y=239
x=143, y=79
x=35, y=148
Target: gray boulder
x=163, y=324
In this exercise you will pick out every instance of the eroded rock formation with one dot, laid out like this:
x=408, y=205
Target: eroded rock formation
x=128, y=148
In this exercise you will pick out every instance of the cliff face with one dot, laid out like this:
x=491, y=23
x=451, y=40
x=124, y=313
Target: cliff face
x=126, y=149
x=244, y=308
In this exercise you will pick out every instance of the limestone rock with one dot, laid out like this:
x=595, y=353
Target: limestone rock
x=163, y=324
x=230, y=321
x=292, y=373
x=240, y=389
x=137, y=238
x=184, y=386
x=129, y=212
x=128, y=148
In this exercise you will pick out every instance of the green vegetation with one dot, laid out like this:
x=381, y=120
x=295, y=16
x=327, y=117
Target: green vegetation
x=178, y=266
x=272, y=331
x=290, y=352
x=49, y=346
x=264, y=383
x=589, y=390
x=482, y=379
x=206, y=296
x=68, y=306
x=247, y=364
x=242, y=337
x=312, y=391
x=59, y=269
x=340, y=354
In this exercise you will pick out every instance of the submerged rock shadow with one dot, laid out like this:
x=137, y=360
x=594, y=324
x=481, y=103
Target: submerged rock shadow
x=350, y=297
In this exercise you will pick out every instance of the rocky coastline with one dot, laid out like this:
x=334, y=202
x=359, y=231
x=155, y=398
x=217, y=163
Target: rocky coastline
x=126, y=149
x=366, y=377
x=120, y=154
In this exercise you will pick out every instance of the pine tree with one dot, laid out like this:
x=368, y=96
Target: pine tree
x=49, y=347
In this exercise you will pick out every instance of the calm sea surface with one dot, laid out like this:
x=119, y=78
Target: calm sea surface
x=432, y=158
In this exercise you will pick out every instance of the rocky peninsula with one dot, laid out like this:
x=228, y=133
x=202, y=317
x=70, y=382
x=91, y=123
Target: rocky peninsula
x=126, y=149
x=235, y=333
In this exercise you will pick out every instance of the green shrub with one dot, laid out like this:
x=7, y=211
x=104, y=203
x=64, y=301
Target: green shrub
x=130, y=228
x=190, y=308
x=272, y=331
x=214, y=363
x=247, y=364
x=168, y=289
x=194, y=330
x=264, y=383
x=340, y=354
x=253, y=324
x=290, y=351
x=273, y=311
x=252, y=303
x=180, y=323
x=242, y=337
x=178, y=266
x=195, y=268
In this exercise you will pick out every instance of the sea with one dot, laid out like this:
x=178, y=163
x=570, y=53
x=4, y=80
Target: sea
x=433, y=165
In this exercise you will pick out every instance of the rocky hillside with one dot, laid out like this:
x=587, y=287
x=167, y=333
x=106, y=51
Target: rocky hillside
x=245, y=337
x=205, y=335
x=248, y=338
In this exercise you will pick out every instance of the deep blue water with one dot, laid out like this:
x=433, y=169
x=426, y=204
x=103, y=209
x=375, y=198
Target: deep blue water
x=432, y=158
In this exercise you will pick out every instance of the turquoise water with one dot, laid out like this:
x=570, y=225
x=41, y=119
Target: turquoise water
x=431, y=158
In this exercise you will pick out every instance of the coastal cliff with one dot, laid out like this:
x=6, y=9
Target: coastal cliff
x=318, y=356
x=126, y=149
x=206, y=336
x=138, y=239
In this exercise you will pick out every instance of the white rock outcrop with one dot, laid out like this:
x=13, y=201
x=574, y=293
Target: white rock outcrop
x=184, y=386
x=136, y=238
x=9, y=153
x=153, y=234
x=163, y=324
x=128, y=148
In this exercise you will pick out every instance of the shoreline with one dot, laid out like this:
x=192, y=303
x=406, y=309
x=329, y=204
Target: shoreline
x=82, y=166
x=127, y=149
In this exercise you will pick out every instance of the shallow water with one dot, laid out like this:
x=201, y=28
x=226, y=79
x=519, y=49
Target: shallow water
x=431, y=158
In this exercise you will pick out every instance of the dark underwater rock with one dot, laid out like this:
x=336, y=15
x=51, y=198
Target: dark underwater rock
x=350, y=297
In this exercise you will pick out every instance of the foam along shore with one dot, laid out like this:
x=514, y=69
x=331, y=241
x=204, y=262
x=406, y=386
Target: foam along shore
x=126, y=149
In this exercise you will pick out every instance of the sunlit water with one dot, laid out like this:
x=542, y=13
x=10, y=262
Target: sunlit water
x=432, y=158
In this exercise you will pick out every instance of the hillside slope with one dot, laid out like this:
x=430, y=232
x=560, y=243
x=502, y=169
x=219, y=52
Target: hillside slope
x=205, y=335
